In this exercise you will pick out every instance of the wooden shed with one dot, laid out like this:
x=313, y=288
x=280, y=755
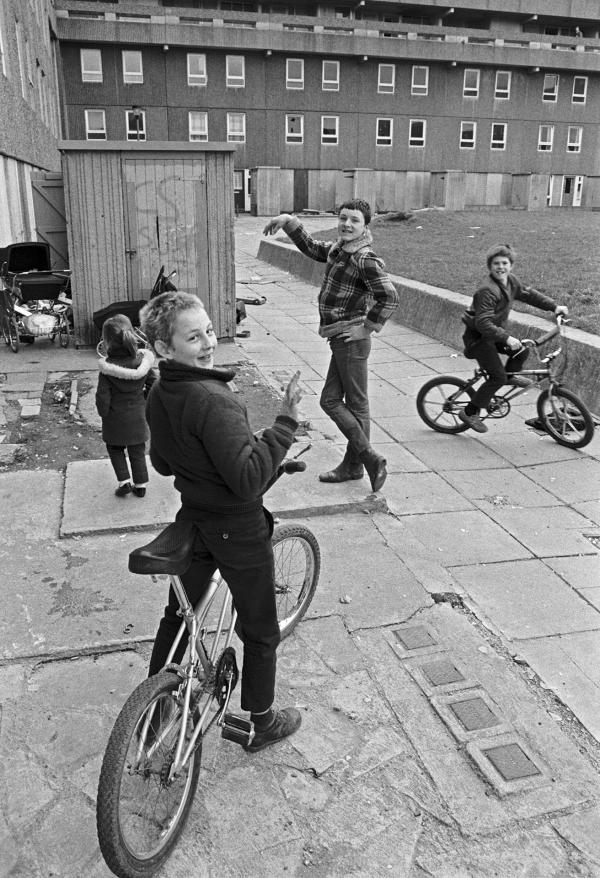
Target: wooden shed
x=134, y=206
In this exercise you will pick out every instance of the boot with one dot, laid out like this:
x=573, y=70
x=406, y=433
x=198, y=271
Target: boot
x=343, y=472
x=284, y=722
x=375, y=466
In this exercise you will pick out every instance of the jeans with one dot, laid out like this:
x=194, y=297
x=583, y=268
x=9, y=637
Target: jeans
x=137, y=459
x=240, y=546
x=345, y=394
x=487, y=354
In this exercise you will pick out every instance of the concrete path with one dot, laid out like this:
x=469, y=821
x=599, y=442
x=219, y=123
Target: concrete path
x=447, y=670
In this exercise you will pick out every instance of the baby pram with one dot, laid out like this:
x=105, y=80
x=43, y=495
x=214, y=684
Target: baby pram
x=34, y=299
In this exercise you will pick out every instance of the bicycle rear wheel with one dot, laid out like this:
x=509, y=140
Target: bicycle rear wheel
x=440, y=400
x=565, y=417
x=140, y=811
x=297, y=566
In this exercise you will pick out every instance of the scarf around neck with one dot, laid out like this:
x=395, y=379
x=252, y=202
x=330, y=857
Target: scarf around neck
x=365, y=240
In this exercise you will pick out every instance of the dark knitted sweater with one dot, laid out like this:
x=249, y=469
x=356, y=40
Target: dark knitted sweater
x=199, y=433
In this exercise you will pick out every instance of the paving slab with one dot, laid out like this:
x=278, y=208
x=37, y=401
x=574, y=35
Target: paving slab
x=527, y=447
x=590, y=509
x=30, y=506
x=456, y=538
x=525, y=599
x=506, y=487
x=582, y=830
x=552, y=530
x=411, y=493
x=67, y=596
x=570, y=666
x=466, y=794
x=581, y=572
x=399, y=460
x=455, y=453
x=572, y=481
x=90, y=505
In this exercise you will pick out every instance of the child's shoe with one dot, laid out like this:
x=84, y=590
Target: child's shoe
x=123, y=490
x=472, y=421
x=139, y=491
x=283, y=723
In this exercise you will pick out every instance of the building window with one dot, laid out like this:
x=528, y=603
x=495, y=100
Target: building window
x=385, y=129
x=471, y=84
x=236, y=127
x=574, y=136
x=502, y=87
x=545, y=138
x=196, y=69
x=386, y=83
x=198, y=125
x=331, y=76
x=136, y=124
x=329, y=129
x=294, y=129
x=416, y=133
x=95, y=125
x=294, y=73
x=468, y=132
x=91, y=65
x=498, y=140
x=132, y=67
x=235, y=71
x=550, y=92
x=579, y=89
x=420, y=81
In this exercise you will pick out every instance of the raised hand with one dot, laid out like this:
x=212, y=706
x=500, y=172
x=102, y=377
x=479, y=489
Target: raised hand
x=291, y=397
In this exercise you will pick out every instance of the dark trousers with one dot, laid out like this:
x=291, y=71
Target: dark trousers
x=345, y=394
x=240, y=546
x=137, y=459
x=487, y=353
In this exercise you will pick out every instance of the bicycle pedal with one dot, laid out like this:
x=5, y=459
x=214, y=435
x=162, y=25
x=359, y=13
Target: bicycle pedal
x=237, y=729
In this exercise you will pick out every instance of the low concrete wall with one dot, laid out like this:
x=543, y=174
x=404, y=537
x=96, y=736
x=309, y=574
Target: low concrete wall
x=436, y=312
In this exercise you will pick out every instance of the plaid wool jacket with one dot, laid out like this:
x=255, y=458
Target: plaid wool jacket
x=356, y=289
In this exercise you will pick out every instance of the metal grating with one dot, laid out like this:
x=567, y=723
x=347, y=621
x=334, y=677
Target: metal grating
x=442, y=672
x=414, y=638
x=511, y=762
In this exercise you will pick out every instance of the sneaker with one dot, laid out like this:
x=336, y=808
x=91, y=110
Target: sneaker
x=139, y=492
x=123, y=490
x=519, y=381
x=472, y=421
x=285, y=722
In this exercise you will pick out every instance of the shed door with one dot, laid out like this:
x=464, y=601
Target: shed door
x=50, y=219
x=166, y=223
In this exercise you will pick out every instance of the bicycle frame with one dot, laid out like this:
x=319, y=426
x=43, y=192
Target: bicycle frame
x=197, y=658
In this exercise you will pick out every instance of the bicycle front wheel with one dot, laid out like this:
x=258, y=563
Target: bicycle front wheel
x=141, y=809
x=439, y=402
x=297, y=566
x=565, y=417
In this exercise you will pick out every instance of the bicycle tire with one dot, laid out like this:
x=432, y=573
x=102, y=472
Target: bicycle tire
x=5, y=332
x=134, y=796
x=13, y=331
x=297, y=566
x=437, y=410
x=569, y=423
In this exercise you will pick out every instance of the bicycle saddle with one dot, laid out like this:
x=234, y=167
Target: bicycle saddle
x=170, y=552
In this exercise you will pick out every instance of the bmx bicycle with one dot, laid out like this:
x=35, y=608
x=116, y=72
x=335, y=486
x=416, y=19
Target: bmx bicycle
x=563, y=415
x=152, y=761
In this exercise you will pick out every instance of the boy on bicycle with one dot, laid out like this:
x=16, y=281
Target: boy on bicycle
x=486, y=336
x=199, y=433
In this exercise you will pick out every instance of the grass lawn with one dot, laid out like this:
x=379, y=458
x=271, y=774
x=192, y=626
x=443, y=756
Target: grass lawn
x=558, y=252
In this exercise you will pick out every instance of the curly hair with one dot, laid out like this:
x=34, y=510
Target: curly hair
x=358, y=204
x=157, y=317
x=500, y=250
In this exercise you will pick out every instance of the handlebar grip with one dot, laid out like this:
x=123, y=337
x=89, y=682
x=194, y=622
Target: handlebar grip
x=293, y=466
x=547, y=336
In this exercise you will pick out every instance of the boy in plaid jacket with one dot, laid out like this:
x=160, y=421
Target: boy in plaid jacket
x=355, y=300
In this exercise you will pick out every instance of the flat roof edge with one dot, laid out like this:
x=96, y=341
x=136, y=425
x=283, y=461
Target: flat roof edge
x=144, y=146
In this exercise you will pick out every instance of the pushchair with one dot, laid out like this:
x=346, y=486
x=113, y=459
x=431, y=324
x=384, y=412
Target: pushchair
x=34, y=299
x=131, y=308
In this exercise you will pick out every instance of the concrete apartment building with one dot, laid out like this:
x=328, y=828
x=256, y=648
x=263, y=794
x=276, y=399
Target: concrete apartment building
x=410, y=104
x=30, y=112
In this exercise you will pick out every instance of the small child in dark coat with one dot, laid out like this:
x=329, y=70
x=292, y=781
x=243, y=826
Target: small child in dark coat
x=126, y=375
